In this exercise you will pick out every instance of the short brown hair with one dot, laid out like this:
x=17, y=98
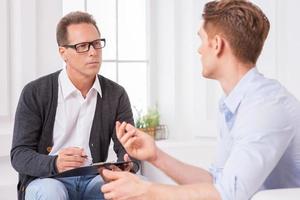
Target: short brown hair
x=242, y=23
x=77, y=17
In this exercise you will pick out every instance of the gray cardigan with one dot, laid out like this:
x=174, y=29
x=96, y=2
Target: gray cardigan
x=34, y=121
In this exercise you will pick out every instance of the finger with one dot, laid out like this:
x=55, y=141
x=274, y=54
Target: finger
x=126, y=136
x=114, y=168
x=129, y=143
x=128, y=167
x=67, y=158
x=72, y=164
x=108, y=187
x=72, y=151
x=123, y=125
x=64, y=162
x=67, y=168
x=129, y=127
x=100, y=170
x=118, y=124
x=126, y=157
x=109, y=196
x=79, y=151
x=130, y=164
x=83, y=154
x=120, y=129
x=111, y=175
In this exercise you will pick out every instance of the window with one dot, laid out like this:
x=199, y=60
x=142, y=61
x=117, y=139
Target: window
x=123, y=25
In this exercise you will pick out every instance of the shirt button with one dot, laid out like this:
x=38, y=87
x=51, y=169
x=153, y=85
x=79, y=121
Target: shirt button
x=92, y=144
x=49, y=149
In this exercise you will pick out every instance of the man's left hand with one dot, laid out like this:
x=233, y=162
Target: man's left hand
x=124, y=185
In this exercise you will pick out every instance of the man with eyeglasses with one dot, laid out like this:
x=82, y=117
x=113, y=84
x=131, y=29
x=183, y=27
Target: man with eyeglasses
x=66, y=119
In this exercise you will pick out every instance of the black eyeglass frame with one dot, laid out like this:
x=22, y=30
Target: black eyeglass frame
x=75, y=46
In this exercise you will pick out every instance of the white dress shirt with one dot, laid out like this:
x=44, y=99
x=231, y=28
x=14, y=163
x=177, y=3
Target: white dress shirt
x=259, y=143
x=74, y=116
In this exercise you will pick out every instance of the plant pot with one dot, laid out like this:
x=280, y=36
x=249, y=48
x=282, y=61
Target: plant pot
x=150, y=131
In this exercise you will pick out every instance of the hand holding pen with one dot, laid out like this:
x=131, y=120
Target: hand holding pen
x=70, y=158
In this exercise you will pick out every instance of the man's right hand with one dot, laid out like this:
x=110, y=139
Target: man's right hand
x=137, y=143
x=70, y=158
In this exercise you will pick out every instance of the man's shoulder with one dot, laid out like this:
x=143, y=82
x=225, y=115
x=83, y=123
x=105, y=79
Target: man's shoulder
x=266, y=89
x=110, y=86
x=46, y=79
x=42, y=84
x=269, y=98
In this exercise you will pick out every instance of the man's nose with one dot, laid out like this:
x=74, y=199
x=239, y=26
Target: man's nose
x=92, y=50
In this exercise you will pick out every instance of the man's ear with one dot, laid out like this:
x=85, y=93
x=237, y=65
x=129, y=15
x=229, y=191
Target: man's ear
x=62, y=52
x=218, y=44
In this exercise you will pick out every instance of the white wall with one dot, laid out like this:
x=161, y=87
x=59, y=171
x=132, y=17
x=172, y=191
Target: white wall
x=174, y=64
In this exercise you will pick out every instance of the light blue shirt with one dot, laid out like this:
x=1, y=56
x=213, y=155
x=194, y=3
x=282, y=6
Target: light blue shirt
x=259, y=141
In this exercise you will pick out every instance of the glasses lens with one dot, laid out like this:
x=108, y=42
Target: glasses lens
x=97, y=44
x=82, y=47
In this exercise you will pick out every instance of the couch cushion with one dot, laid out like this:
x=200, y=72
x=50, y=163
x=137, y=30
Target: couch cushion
x=278, y=194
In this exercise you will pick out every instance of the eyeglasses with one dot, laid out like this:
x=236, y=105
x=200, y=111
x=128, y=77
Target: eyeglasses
x=85, y=46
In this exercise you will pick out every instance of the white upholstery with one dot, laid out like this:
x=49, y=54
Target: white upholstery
x=278, y=194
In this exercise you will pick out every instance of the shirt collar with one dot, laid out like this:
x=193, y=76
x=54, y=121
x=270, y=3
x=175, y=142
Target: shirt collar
x=97, y=86
x=233, y=100
x=68, y=88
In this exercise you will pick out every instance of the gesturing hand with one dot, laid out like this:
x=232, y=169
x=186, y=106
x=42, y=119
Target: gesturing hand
x=137, y=143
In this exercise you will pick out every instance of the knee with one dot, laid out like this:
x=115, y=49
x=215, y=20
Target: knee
x=46, y=189
x=93, y=191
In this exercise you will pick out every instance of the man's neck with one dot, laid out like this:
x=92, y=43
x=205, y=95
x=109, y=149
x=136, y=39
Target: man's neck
x=232, y=75
x=81, y=82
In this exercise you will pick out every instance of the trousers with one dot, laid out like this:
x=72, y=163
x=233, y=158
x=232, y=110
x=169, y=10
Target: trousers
x=73, y=188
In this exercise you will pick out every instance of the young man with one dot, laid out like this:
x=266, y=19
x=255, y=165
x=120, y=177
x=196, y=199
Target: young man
x=259, y=141
x=66, y=119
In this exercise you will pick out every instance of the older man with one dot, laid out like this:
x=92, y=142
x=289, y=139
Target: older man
x=67, y=119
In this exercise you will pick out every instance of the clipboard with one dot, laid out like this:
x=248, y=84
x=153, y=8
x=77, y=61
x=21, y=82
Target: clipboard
x=131, y=166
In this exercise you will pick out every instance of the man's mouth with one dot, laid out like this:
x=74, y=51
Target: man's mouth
x=93, y=63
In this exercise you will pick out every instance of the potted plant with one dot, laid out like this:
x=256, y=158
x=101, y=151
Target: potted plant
x=149, y=121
